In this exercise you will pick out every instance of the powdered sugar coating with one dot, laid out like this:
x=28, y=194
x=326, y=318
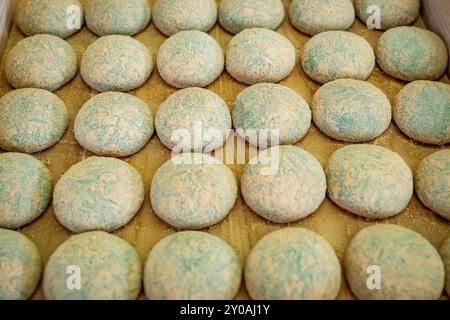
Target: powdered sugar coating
x=312, y=17
x=190, y=59
x=445, y=254
x=109, y=268
x=25, y=189
x=20, y=266
x=259, y=55
x=192, y=265
x=124, y=17
x=432, y=182
x=98, y=194
x=31, y=120
x=238, y=15
x=292, y=264
x=409, y=266
x=41, y=61
x=114, y=124
x=410, y=53
x=369, y=181
x=172, y=16
x=336, y=55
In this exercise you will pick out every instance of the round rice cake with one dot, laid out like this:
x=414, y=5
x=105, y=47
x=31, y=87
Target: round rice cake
x=445, y=253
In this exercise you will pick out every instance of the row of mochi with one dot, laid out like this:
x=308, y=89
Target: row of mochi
x=382, y=262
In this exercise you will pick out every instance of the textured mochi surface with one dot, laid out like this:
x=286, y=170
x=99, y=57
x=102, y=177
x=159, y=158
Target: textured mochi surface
x=114, y=124
x=193, y=191
x=410, y=53
x=172, y=16
x=264, y=107
x=312, y=17
x=336, y=55
x=259, y=55
x=432, y=182
x=237, y=15
x=293, y=188
x=191, y=110
x=31, y=120
x=445, y=253
x=369, y=181
x=41, y=61
x=393, y=13
x=98, y=194
x=116, y=63
x=351, y=110
x=292, y=264
x=190, y=59
x=410, y=266
x=48, y=16
x=20, y=266
x=25, y=189
x=110, y=269
x=125, y=17
x=422, y=111
x=192, y=265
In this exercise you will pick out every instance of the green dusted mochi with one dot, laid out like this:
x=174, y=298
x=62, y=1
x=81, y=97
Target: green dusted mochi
x=351, y=110
x=124, y=17
x=114, y=124
x=192, y=265
x=41, y=61
x=445, y=254
x=20, y=266
x=408, y=266
x=336, y=55
x=238, y=15
x=172, y=16
x=108, y=269
x=49, y=16
x=369, y=181
x=31, y=120
x=193, y=191
x=422, y=111
x=432, y=182
x=410, y=53
x=292, y=264
x=25, y=189
x=98, y=194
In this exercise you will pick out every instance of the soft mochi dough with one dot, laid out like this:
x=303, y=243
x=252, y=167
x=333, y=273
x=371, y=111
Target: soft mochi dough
x=125, y=17
x=336, y=55
x=264, y=107
x=25, y=189
x=193, y=119
x=192, y=265
x=116, y=63
x=432, y=182
x=312, y=17
x=98, y=194
x=190, y=59
x=410, y=53
x=193, y=191
x=237, y=15
x=31, y=120
x=422, y=111
x=292, y=264
x=41, y=61
x=408, y=266
x=351, y=110
x=114, y=124
x=394, y=13
x=369, y=181
x=50, y=16
x=172, y=16
x=284, y=184
x=445, y=253
x=20, y=266
x=259, y=55
x=108, y=267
